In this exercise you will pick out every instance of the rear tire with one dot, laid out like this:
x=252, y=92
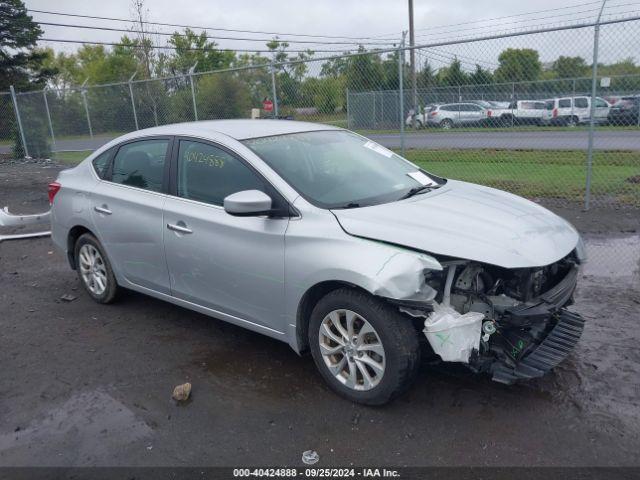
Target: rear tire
x=446, y=124
x=573, y=121
x=94, y=269
x=381, y=346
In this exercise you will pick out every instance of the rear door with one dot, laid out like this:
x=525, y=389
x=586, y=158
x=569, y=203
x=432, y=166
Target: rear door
x=451, y=112
x=127, y=212
x=581, y=106
x=233, y=265
x=602, y=110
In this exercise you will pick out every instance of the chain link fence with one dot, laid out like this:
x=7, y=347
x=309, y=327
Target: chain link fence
x=549, y=114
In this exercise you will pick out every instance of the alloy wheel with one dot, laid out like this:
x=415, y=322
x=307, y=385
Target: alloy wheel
x=93, y=269
x=352, y=350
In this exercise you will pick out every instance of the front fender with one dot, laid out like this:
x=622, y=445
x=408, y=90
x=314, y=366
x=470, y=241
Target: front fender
x=319, y=251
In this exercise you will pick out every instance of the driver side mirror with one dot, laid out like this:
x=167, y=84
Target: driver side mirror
x=248, y=203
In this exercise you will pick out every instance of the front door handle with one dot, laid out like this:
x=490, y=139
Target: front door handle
x=179, y=228
x=104, y=210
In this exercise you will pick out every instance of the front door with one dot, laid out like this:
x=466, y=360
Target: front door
x=234, y=265
x=127, y=211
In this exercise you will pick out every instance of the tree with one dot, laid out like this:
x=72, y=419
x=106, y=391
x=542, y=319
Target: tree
x=426, y=77
x=518, y=65
x=453, y=75
x=191, y=48
x=570, y=67
x=21, y=64
x=364, y=72
x=481, y=76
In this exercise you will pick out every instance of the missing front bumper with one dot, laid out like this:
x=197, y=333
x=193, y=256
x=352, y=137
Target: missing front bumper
x=9, y=220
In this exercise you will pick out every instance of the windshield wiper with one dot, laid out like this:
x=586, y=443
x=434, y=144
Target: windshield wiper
x=348, y=205
x=416, y=190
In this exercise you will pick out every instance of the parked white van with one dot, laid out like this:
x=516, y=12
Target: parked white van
x=572, y=111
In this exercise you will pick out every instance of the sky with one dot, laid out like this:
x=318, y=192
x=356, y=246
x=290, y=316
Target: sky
x=379, y=20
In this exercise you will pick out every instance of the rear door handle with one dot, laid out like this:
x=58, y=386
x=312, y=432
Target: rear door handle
x=179, y=228
x=104, y=210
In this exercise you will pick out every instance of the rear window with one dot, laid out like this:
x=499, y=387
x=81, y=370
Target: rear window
x=141, y=164
x=101, y=163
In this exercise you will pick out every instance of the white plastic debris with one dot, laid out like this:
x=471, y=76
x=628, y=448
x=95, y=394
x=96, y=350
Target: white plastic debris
x=452, y=335
x=309, y=457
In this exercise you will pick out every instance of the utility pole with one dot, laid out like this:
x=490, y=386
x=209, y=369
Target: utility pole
x=412, y=60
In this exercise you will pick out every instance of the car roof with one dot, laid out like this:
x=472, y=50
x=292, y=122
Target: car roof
x=239, y=129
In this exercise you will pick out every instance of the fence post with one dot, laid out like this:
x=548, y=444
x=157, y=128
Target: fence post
x=273, y=90
x=592, y=109
x=193, y=90
x=133, y=102
x=401, y=90
x=15, y=107
x=46, y=107
x=513, y=99
x=348, y=117
x=83, y=92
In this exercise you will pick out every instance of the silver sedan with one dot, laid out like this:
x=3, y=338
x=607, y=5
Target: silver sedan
x=323, y=239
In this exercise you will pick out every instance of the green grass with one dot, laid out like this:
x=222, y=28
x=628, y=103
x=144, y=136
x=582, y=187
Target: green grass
x=550, y=174
x=71, y=158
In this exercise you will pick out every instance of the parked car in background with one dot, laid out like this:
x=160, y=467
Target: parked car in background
x=261, y=224
x=450, y=115
x=520, y=112
x=572, y=111
x=419, y=117
x=625, y=112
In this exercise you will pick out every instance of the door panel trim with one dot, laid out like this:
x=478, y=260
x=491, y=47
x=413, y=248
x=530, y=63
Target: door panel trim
x=208, y=311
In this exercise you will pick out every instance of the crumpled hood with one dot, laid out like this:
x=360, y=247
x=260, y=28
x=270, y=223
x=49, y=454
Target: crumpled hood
x=467, y=221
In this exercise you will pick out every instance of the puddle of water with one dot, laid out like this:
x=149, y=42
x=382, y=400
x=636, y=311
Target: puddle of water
x=86, y=429
x=616, y=258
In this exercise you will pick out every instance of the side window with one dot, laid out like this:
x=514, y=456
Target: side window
x=600, y=103
x=564, y=103
x=141, y=164
x=209, y=174
x=101, y=163
x=581, y=102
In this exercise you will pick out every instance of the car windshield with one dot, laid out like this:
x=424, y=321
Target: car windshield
x=338, y=169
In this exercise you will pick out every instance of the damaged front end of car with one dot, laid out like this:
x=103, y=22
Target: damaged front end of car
x=510, y=323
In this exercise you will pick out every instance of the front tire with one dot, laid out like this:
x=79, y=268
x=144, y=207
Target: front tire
x=94, y=269
x=364, y=349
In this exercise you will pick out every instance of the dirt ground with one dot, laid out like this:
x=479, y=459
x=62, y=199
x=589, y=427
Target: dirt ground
x=83, y=384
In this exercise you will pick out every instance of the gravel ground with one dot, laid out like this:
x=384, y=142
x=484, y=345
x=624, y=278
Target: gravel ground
x=83, y=384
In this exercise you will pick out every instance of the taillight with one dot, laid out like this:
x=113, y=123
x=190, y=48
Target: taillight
x=54, y=188
x=489, y=113
x=434, y=113
x=555, y=113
